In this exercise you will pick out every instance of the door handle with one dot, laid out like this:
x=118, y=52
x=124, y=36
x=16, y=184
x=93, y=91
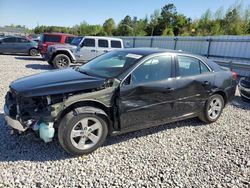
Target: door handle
x=92, y=50
x=105, y=51
x=206, y=83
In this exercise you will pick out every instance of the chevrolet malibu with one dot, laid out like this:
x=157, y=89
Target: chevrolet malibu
x=118, y=92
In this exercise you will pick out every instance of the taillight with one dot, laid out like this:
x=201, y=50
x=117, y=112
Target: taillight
x=234, y=75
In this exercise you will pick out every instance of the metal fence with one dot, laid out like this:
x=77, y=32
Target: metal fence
x=231, y=51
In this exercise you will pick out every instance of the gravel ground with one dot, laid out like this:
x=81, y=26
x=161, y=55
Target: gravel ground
x=183, y=154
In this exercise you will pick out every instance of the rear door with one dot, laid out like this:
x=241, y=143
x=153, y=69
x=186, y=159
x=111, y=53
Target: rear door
x=102, y=46
x=22, y=45
x=87, y=50
x=147, y=95
x=194, y=84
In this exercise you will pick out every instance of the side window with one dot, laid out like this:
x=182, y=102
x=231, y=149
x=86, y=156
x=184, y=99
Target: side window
x=88, y=43
x=52, y=38
x=68, y=40
x=155, y=69
x=116, y=44
x=9, y=40
x=189, y=66
x=103, y=43
x=204, y=68
x=22, y=40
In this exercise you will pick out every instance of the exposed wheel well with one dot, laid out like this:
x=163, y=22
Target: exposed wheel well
x=94, y=104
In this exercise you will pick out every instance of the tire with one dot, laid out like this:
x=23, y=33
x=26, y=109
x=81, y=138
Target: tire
x=74, y=135
x=213, y=109
x=61, y=61
x=33, y=52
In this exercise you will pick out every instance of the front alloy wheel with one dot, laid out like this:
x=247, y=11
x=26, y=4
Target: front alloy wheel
x=61, y=61
x=33, y=52
x=86, y=133
x=82, y=133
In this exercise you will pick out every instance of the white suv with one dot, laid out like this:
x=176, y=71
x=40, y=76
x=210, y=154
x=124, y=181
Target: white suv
x=89, y=48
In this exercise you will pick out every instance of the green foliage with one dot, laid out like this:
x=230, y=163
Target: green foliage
x=167, y=22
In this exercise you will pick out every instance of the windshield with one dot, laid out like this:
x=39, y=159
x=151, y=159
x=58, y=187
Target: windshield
x=76, y=41
x=110, y=64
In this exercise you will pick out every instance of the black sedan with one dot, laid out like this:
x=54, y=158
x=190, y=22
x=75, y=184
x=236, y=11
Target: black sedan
x=244, y=88
x=118, y=92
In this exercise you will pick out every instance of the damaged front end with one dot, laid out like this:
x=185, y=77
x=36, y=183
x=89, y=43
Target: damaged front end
x=23, y=113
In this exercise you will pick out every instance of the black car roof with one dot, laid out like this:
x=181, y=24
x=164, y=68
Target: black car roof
x=149, y=51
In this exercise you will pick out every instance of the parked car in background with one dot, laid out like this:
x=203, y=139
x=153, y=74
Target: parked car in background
x=244, y=88
x=18, y=45
x=121, y=91
x=88, y=48
x=47, y=39
x=34, y=37
x=55, y=50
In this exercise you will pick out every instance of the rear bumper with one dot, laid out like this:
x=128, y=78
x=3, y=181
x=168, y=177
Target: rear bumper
x=15, y=124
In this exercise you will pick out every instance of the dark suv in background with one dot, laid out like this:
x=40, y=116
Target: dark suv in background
x=48, y=39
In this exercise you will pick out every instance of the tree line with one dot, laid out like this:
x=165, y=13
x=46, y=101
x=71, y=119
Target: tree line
x=166, y=22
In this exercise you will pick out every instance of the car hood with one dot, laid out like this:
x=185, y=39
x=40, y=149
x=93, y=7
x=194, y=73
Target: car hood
x=55, y=82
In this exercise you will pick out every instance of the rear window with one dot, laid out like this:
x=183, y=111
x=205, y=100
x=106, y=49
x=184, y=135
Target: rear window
x=51, y=38
x=103, y=43
x=68, y=40
x=116, y=44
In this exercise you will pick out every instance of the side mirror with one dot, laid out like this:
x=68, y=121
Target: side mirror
x=1, y=42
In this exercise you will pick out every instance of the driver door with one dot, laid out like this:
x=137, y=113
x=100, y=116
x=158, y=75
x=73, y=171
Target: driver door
x=147, y=95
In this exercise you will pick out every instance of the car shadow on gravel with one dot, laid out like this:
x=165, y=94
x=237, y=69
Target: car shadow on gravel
x=39, y=66
x=239, y=103
x=194, y=122
x=29, y=58
x=27, y=147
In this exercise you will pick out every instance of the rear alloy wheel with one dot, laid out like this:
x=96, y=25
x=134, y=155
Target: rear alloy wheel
x=82, y=134
x=213, y=109
x=33, y=52
x=61, y=61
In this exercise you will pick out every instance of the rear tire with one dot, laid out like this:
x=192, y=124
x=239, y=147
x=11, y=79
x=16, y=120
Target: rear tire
x=213, y=109
x=33, y=52
x=61, y=61
x=82, y=133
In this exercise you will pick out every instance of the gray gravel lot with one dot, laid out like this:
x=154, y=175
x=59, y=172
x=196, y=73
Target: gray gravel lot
x=183, y=154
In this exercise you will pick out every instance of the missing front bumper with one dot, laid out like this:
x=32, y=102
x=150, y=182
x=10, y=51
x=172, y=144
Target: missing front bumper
x=14, y=124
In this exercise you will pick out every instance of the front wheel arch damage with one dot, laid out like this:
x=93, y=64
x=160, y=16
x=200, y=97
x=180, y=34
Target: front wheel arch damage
x=88, y=107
